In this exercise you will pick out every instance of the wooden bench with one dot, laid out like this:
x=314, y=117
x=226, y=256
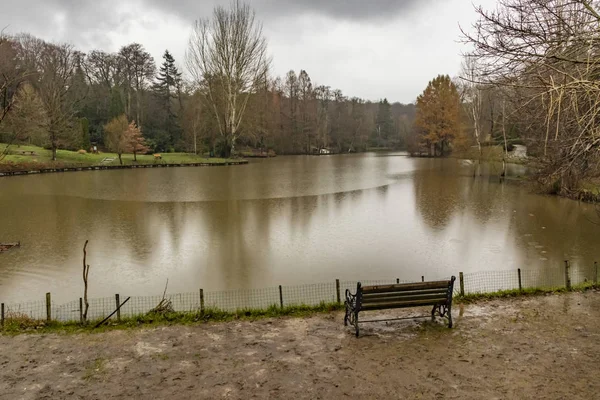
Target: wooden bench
x=437, y=294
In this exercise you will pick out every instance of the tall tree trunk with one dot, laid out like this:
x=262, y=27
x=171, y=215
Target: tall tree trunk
x=138, y=109
x=120, y=160
x=128, y=102
x=135, y=156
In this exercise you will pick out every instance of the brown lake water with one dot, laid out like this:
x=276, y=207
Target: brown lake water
x=288, y=220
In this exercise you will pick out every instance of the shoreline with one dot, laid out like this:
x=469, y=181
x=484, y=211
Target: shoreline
x=21, y=324
x=110, y=167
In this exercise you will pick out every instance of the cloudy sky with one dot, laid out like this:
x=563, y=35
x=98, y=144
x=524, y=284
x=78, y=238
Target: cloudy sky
x=366, y=48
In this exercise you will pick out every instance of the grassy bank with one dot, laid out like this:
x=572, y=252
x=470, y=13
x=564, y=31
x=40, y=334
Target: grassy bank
x=21, y=324
x=475, y=297
x=488, y=154
x=20, y=158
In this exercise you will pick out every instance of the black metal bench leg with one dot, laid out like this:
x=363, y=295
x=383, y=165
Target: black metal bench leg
x=346, y=316
x=433, y=313
x=450, y=317
x=356, y=323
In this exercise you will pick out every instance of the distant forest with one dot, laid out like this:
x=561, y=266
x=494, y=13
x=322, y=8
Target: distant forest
x=63, y=98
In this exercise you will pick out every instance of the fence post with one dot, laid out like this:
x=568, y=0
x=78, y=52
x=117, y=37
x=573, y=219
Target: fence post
x=201, y=301
x=81, y=310
x=337, y=289
x=48, y=307
x=2, y=315
x=118, y=304
x=595, y=272
x=520, y=285
x=462, y=284
x=567, y=275
x=280, y=296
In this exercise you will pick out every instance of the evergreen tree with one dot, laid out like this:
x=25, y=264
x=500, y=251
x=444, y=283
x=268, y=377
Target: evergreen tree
x=384, y=126
x=85, y=134
x=117, y=108
x=167, y=88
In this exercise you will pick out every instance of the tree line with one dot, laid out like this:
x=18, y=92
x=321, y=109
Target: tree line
x=56, y=96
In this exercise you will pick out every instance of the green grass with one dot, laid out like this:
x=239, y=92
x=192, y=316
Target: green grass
x=25, y=325
x=475, y=297
x=488, y=153
x=97, y=368
x=64, y=158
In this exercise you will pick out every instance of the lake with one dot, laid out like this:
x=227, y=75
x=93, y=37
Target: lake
x=282, y=221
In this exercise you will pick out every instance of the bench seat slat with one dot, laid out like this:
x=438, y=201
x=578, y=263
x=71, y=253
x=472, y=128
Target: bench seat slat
x=441, y=291
x=405, y=287
x=414, y=303
x=395, y=298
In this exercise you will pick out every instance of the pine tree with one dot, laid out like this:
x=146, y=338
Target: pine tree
x=85, y=133
x=117, y=108
x=168, y=87
x=384, y=126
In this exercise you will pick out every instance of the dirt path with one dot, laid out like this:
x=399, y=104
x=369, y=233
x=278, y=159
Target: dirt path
x=543, y=347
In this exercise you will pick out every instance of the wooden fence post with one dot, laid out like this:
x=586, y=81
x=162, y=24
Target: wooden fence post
x=81, y=310
x=280, y=296
x=201, y=301
x=462, y=284
x=520, y=285
x=2, y=314
x=567, y=275
x=118, y=304
x=48, y=307
x=337, y=289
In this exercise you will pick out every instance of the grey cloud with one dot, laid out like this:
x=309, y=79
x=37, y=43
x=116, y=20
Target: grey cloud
x=84, y=22
x=355, y=10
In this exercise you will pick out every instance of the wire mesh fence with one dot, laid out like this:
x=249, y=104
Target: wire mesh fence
x=296, y=295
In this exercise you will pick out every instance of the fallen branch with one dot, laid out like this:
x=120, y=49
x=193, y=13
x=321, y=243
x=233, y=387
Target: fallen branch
x=86, y=271
x=113, y=313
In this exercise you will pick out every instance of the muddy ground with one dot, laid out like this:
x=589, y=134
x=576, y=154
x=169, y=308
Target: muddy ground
x=539, y=347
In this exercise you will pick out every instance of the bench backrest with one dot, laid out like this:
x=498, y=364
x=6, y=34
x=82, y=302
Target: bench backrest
x=404, y=295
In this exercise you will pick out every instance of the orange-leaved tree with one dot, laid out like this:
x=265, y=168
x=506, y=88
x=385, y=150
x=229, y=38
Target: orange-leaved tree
x=137, y=144
x=438, y=115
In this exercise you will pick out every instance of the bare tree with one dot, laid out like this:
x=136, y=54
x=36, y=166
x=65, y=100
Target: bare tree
x=11, y=78
x=546, y=53
x=227, y=57
x=473, y=97
x=139, y=69
x=54, y=71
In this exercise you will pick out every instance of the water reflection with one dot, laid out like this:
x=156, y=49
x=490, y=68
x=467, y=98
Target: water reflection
x=286, y=221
